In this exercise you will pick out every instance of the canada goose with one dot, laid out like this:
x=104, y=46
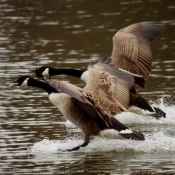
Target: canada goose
x=105, y=64
x=90, y=108
x=131, y=54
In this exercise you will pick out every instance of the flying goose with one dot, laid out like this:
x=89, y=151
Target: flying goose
x=91, y=108
x=131, y=54
x=104, y=64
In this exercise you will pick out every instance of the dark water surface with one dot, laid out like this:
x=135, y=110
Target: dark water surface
x=67, y=33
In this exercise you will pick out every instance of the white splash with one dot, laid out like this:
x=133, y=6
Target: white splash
x=160, y=137
x=156, y=142
x=133, y=118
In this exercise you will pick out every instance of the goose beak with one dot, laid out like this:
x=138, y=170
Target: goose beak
x=33, y=72
x=14, y=83
x=36, y=73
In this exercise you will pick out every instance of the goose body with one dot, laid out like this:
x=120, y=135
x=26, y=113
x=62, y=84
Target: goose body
x=74, y=114
x=134, y=99
x=91, y=108
x=132, y=55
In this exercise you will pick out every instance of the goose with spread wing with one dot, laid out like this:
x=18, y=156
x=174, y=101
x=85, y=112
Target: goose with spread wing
x=91, y=108
x=131, y=54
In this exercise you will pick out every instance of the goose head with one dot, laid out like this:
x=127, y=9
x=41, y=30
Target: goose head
x=21, y=81
x=26, y=80
x=45, y=71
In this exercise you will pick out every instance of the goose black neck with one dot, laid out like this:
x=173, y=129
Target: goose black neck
x=67, y=71
x=43, y=85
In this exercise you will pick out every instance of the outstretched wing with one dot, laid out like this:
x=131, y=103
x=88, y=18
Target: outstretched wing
x=132, y=47
x=67, y=88
x=106, y=65
x=109, y=93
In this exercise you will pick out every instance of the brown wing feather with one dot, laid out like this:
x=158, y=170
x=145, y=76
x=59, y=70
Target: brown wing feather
x=132, y=47
x=106, y=65
x=68, y=88
x=107, y=92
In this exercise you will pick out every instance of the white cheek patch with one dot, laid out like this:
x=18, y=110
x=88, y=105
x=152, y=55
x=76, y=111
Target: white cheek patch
x=46, y=72
x=25, y=82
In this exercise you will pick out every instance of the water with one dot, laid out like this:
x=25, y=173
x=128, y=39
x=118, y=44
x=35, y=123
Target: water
x=70, y=34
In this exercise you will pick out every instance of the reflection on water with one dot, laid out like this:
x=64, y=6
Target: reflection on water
x=70, y=34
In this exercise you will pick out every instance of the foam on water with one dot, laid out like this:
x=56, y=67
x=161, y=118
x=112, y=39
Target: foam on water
x=155, y=141
x=130, y=117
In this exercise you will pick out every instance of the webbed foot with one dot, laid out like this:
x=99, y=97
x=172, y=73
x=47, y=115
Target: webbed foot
x=74, y=148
